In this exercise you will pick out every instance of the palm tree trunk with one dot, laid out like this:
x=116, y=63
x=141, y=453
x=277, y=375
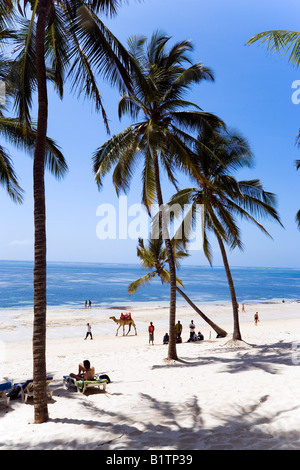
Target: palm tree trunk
x=215, y=327
x=172, y=352
x=39, y=324
x=236, y=326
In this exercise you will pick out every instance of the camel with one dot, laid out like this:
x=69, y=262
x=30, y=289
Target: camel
x=123, y=322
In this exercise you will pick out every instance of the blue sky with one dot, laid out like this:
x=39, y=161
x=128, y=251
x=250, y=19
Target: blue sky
x=251, y=93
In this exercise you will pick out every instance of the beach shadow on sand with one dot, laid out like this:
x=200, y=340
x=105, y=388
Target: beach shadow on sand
x=267, y=357
x=177, y=428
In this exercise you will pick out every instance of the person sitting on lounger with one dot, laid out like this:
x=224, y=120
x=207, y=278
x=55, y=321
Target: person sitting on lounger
x=85, y=371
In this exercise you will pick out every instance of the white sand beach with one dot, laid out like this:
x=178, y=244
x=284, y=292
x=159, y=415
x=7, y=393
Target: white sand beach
x=218, y=396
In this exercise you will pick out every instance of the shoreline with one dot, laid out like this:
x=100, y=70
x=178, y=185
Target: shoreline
x=64, y=322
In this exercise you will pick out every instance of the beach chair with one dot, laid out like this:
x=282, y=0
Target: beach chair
x=4, y=387
x=83, y=385
x=27, y=388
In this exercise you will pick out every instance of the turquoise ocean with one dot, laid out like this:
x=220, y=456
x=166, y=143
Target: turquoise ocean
x=106, y=285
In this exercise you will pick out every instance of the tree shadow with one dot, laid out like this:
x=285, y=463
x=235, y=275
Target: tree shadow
x=264, y=357
x=180, y=428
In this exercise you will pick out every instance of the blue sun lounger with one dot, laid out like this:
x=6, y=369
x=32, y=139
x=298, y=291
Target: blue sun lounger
x=26, y=388
x=4, y=387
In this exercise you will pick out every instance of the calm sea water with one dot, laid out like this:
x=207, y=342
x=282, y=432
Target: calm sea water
x=70, y=284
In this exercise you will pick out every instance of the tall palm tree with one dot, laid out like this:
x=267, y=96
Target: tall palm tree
x=161, y=137
x=154, y=257
x=60, y=40
x=219, y=197
x=282, y=42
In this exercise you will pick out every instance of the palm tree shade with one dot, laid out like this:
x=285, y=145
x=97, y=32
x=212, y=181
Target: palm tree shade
x=160, y=139
x=219, y=197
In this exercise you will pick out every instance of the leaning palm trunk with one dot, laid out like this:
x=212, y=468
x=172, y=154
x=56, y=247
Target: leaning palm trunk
x=39, y=325
x=236, y=326
x=215, y=327
x=172, y=353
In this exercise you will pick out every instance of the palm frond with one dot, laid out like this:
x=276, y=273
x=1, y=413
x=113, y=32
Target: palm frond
x=23, y=137
x=135, y=285
x=108, y=154
x=298, y=219
x=282, y=42
x=23, y=72
x=56, y=50
x=8, y=177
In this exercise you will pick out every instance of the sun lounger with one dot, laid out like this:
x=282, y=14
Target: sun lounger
x=27, y=388
x=4, y=387
x=82, y=385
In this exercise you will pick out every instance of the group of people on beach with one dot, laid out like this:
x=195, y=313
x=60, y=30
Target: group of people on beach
x=178, y=331
x=88, y=304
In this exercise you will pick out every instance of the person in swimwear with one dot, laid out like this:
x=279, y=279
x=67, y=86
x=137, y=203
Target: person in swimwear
x=85, y=371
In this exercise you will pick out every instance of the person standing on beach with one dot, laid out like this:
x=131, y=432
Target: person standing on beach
x=256, y=319
x=178, y=328
x=89, y=331
x=192, y=330
x=151, y=332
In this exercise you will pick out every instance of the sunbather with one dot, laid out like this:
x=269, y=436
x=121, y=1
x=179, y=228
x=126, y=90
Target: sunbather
x=85, y=371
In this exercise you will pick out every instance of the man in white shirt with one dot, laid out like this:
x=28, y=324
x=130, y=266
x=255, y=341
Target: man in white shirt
x=89, y=331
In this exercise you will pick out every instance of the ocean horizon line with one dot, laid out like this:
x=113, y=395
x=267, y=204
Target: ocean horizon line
x=137, y=265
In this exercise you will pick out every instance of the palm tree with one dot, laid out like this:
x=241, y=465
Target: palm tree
x=219, y=197
x=160, y=138
x=154, y=257
x=283, y=42
x=61, y=40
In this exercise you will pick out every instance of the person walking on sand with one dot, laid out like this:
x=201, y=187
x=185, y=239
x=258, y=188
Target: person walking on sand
x=89, y=331
x=151, y=332
x=256, y=319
